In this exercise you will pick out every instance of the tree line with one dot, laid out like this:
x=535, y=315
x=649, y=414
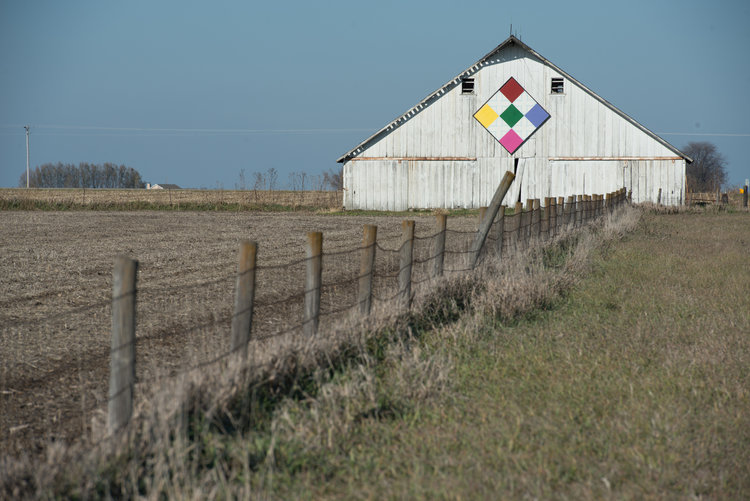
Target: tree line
x=83, y=175
x=298, y=181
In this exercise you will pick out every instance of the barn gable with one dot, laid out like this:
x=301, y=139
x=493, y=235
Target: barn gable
x=439, y=154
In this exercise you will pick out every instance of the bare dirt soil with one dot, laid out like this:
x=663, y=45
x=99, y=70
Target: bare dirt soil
x=56, y=286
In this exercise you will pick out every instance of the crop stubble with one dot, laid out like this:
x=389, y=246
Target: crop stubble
x=56, y=284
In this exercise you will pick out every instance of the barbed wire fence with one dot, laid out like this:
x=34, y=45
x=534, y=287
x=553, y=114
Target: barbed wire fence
x=270, y=301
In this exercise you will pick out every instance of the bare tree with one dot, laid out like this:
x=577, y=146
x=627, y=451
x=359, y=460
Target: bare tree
x=259, y=181
x=334, y=179
x=293, y=181
x=273, y=177
x=317, y=182
x=707, y=172
x=241, y=185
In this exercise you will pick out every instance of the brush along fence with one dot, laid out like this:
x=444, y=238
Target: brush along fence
x=337, y=282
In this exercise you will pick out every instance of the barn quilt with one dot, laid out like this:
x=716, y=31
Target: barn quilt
x=511, y=115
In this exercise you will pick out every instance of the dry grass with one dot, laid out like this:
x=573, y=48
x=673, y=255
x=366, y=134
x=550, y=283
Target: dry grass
x=72, y=198
x=631, y=384
x=250, y=427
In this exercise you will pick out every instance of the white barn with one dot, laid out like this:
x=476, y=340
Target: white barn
x=513, y=110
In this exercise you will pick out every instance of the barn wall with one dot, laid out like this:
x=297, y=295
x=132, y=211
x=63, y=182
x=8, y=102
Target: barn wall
x=406, y=184
x=585, y=147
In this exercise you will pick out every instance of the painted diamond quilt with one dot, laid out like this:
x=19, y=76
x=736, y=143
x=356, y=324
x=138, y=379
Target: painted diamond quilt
x=511, y=115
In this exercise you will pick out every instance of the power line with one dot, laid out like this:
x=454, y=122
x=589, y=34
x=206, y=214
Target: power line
x=220, y=132
x=194, y=131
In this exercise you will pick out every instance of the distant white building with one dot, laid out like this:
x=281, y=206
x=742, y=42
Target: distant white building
x=164, y=186
x=513, y=110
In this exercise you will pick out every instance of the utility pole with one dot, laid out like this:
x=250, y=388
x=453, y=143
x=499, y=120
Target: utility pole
x=27, y=127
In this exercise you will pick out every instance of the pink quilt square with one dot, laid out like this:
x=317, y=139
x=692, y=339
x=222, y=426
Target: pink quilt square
x=511, y=141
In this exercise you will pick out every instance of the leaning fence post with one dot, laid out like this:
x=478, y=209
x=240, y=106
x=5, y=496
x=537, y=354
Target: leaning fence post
x=442, y=223
x=122, y=354
x=244, y=295
x=405, y=263
x=366, y=268
x=484, y=227
x=313, y=277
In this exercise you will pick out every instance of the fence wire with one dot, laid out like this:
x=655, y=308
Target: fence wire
x=180, y=328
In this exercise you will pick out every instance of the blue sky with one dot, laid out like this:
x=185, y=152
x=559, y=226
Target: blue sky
x=192, y=92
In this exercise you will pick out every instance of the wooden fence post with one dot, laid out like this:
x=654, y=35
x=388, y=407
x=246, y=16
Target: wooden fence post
x=587, y=208
x=579, y=210
x=484, y=227
x=482, y=212
x=529, y=220
x=518, y=213
x=567, y=212
x=595, y=203
x=552, y=216
x=313, y=275
x=500, y=231
x=405, y=264
x=744, y=196
x=442, y=224
x=598, y=205
x=545, y=218
x=244, y=296
x=367, y=268
x=122, y=354
x=658, y=198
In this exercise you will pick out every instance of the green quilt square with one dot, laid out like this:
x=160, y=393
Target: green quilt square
x=511, y=115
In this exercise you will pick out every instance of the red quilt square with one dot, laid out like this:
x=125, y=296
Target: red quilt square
x=511, y=89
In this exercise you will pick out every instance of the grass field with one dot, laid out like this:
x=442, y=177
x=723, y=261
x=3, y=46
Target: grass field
x=612, y=365
x=633, y=384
